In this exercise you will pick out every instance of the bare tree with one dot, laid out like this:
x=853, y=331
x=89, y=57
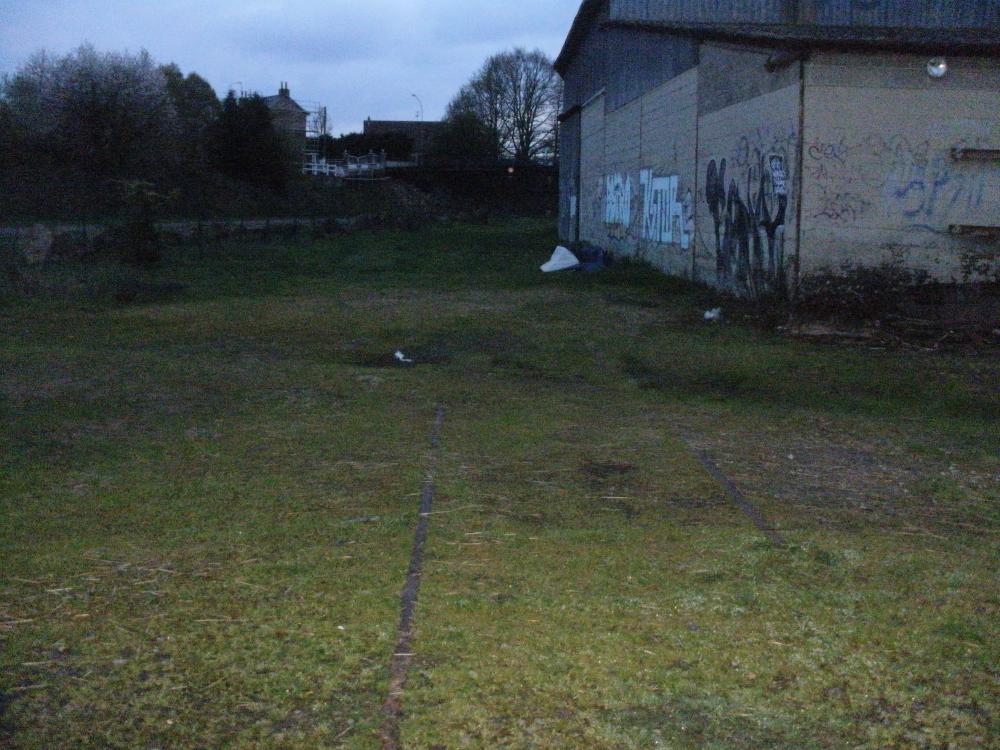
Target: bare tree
x=103, y=111
x=533, y=92
x=515, y=96
x=485, y=98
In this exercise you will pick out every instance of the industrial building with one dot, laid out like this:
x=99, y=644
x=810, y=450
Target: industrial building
x=750, y=143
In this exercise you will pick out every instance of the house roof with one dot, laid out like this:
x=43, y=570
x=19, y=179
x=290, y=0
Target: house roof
x=274, y=101
x=800, y=36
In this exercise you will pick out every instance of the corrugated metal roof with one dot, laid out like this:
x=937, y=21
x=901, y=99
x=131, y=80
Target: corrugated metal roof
x=971, y=26
x=927, y=14
x=908, y=14
x=970, y=41
x=705, y=11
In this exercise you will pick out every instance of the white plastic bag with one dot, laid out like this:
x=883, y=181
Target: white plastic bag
x=714, y=316
x=562, y=259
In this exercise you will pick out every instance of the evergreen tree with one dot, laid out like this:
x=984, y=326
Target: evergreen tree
x=247, y=147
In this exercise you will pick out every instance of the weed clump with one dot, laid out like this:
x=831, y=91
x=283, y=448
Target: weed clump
x=138, y=241
x=857, y=294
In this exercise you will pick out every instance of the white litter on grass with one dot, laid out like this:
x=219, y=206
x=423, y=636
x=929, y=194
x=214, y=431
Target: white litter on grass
x=562, y=259
x=714, y=315
x=400, y=357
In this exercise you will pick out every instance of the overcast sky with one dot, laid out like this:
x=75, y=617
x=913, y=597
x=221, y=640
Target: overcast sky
x=358, y=57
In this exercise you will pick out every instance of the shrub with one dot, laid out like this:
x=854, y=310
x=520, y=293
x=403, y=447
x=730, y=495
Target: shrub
x=857, y=294
x=138, y=241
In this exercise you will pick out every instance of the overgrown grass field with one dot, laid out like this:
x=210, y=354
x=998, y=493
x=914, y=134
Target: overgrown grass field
x=208, y=491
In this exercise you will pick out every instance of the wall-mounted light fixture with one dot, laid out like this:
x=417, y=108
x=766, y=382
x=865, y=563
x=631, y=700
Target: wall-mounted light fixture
x=937, y=67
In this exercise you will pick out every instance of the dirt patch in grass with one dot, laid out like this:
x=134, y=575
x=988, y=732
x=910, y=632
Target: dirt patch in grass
x=301, y=720
x=628, y=510
x=134, y=292
x=699, y=724
x=612, y=477
x=832, y=479
x=928, y=337
x=604, y=470
x=535, y=519
x=623, y=299
x=466, y=342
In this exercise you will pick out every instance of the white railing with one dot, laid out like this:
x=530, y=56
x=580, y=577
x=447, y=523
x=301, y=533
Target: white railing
x=368, y=167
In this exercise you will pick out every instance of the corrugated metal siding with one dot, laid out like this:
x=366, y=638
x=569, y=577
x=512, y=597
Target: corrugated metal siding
x=628, y=63
x=586, y=73
x=569, y=178
x=704, y=11
x=641, y=61
x=729, y=75
x=916, y=14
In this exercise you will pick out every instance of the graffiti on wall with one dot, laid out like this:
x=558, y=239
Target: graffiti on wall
x=618, y=204
x=824, y=157
x=840, y=207
x=934, y=189
x=917, y=184
x=656, y=213
x=748, y=207
x=688, y=208
x=667, y=218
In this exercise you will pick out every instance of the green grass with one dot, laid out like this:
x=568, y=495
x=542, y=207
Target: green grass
x=208, y=499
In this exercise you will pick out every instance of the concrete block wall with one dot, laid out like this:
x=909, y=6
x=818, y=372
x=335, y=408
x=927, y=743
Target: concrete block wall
x=638, y=176
x=746, y=212
x=645, y=170
x=592, y=172
x=710, y=174
x=748, y=154
x=668, y=182
x=880, y=184
x=623, y=209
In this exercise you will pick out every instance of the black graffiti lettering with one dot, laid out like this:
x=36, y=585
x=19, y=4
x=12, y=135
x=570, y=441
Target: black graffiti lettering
x=749, y=232
x=715, y=193
x=841, y=208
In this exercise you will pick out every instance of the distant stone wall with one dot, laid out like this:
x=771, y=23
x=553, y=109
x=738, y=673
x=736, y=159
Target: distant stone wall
x=40, y=243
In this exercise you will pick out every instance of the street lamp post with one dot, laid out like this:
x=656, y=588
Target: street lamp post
x=421, y=104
